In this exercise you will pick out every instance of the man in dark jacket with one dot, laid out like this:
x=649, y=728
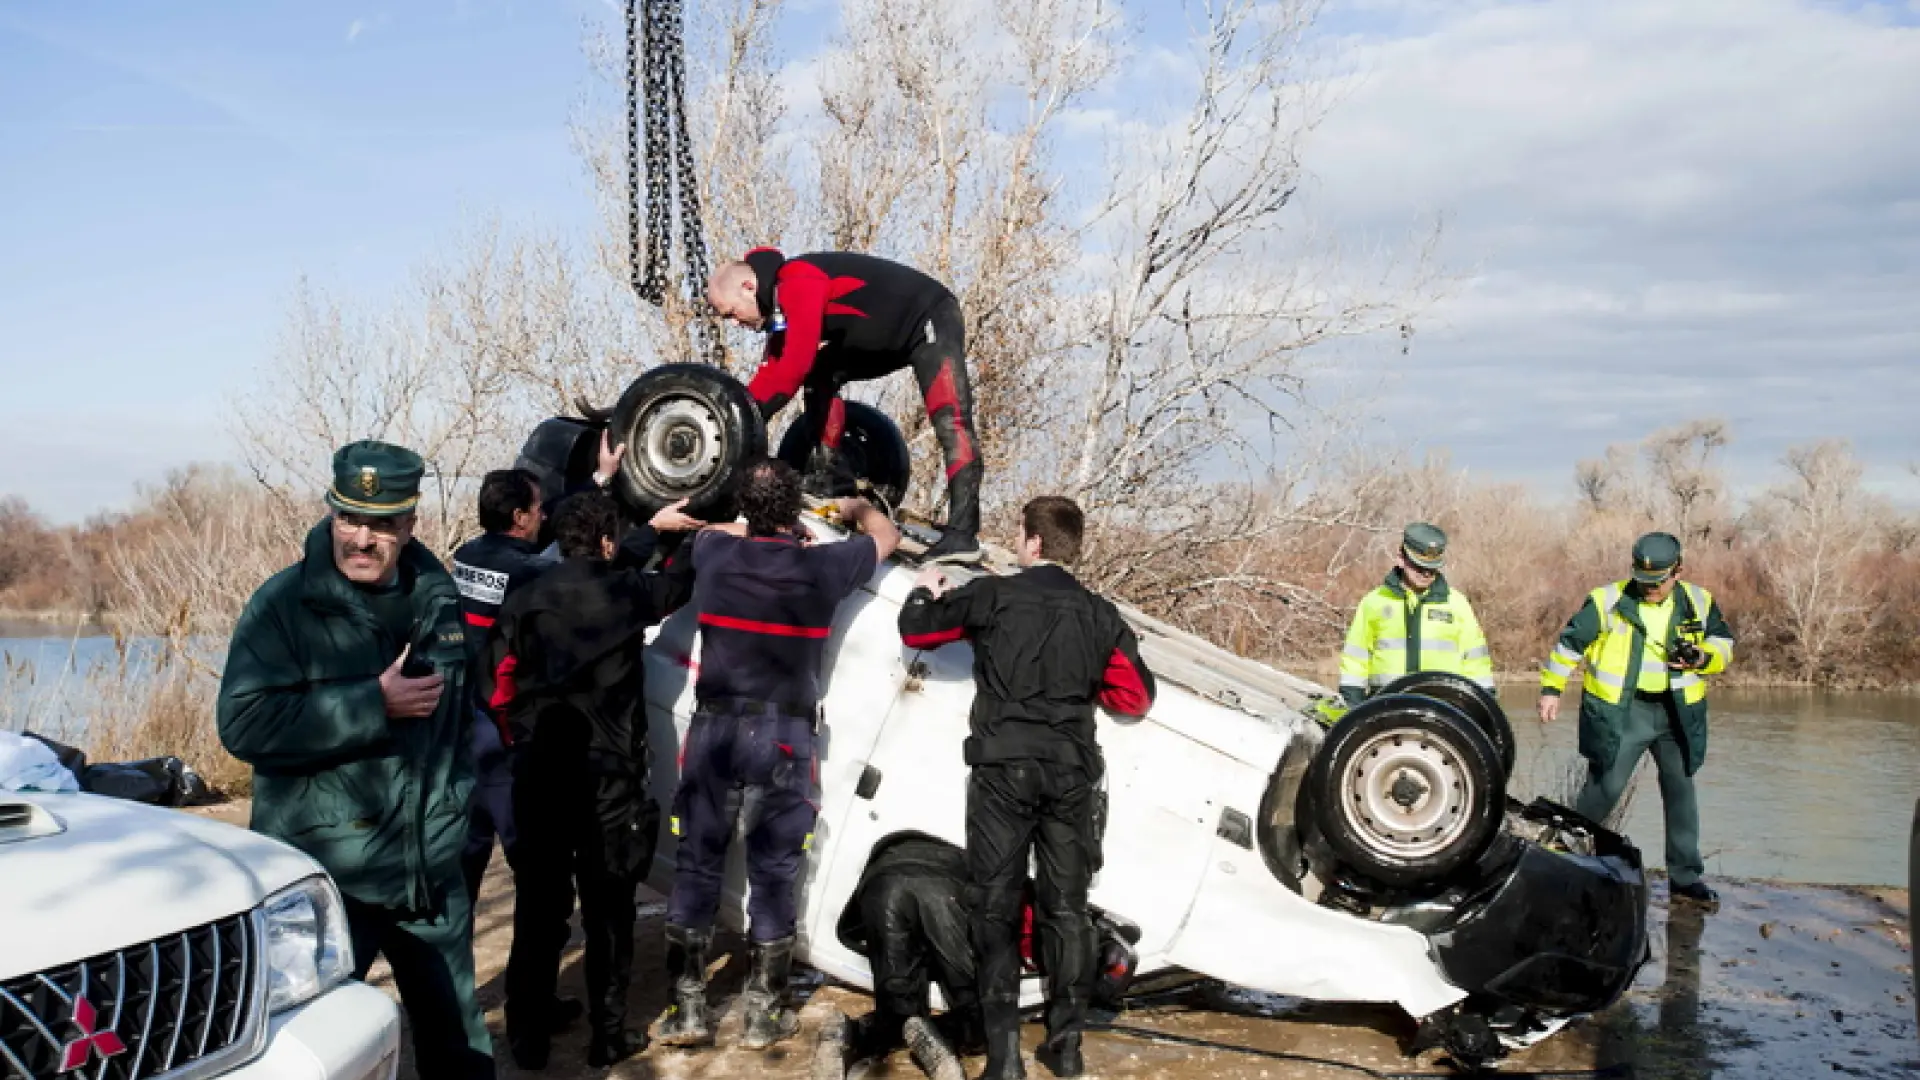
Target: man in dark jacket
x=834, y=317
x=1045, y=651
x=767, y=601
x=488, y=569
x=346, y=690
x=911, y=917
x=569, y=681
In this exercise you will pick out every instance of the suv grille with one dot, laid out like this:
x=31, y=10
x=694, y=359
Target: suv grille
x=138, y=1013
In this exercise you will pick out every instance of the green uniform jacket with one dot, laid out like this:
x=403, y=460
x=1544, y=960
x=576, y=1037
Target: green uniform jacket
x=380, y=803
x=1602, y=721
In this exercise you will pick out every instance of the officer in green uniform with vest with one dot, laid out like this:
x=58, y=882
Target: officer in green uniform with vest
x=1415, y=621
x=1649, y=644
x=345, y=689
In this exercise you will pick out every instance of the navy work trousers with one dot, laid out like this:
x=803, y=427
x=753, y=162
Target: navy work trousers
x=750, y=764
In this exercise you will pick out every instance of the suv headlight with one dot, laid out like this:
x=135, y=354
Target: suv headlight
x=308, y=949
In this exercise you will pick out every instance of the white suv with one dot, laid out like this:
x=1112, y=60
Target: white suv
x=139, y=943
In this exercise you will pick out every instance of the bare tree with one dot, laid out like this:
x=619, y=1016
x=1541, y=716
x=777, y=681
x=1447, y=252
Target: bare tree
x=1683, y=473
x=1816, y=528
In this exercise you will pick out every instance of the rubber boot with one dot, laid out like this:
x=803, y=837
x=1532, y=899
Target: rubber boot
x=931, y=1052
x=1061, y=1055
x=687, y=1022
x=769, y=1016
x=1002, y=1024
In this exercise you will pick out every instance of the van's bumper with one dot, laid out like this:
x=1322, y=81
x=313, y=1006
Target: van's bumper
x=352, y=1032
x=1558, y=933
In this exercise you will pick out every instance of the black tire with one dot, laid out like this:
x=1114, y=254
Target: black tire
x=1475, y=701
x=689, y=429
x=1391, y=756
x=874, y=448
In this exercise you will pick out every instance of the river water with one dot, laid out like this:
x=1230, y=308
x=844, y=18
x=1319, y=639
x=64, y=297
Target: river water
x=1798, y=785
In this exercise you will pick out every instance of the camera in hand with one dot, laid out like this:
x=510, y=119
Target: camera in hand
x=1684, y=652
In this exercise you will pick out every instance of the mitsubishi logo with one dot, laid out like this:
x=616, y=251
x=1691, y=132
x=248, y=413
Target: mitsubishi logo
x=76, y=1053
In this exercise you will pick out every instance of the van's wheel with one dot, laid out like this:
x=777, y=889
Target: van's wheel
x=1406, y=790
x=1474, y=701
x=689, y=429
x=874, y=448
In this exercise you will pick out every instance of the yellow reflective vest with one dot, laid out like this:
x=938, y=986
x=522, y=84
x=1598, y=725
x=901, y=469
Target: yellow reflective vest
x=1609, y=635
x=1396, y=630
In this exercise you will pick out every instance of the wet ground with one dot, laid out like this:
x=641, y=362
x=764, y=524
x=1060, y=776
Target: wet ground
x=1785, y=981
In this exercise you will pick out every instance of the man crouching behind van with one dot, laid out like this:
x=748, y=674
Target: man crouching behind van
x=1045, y=651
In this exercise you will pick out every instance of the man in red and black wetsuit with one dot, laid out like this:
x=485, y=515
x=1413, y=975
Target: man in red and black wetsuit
x=766, y=599
x=834, y=317
x=1046, y=650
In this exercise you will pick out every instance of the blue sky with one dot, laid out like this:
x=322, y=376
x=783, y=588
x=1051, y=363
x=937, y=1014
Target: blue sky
x=1659, y=211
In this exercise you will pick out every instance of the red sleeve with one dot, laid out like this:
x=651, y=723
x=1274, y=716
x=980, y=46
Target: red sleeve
x=1126, y=688
x=801, y=291
x=503, y=685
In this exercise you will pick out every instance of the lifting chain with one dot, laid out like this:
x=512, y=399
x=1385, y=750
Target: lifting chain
x=657, y=59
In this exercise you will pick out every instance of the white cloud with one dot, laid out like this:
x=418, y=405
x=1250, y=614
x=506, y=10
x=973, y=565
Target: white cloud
x=1667, y=209
x=356, y=28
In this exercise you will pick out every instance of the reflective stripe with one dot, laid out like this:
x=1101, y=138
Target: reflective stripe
x=1721, y=643
x=1380, y=680
x=1354, y=652
x=1682, y=680
x=1380, y=644
x=1558, y=666
x=1439, y=645
x=1486, y=684
x=1618, y=682
x=1352, y=680
x=1609, y=596
x=1478, y=652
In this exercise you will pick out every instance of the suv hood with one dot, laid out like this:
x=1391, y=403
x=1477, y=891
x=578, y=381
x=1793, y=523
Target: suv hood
x=118, y=873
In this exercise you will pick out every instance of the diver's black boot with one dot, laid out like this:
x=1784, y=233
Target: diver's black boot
x=1061, y=1055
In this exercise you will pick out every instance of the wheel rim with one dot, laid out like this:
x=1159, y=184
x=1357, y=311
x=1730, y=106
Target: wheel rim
x=681, y=444
x=1408, y=794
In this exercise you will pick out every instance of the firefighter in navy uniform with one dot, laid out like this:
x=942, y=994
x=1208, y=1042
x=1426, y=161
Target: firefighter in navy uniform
x=836, y=317
x=569, y=678
x=488, y=569
x=766, y=601
x=1046, y=651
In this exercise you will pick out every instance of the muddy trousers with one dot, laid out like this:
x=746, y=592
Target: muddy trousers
x=939, y=363
x=749, y=766
x=1649, y=725
x=431, y=955
x=572, y=835
x=1048, y=808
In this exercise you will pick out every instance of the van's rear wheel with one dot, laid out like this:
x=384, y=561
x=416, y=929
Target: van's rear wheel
x=1406, y=790
x=1474, y=701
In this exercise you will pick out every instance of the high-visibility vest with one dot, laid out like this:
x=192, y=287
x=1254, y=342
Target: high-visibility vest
x=1437, y=630
x=1614, y=658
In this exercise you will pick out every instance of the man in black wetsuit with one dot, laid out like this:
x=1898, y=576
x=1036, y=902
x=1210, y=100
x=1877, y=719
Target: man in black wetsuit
x=834, y=317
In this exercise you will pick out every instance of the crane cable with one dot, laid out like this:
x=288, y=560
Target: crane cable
x=656, y=63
